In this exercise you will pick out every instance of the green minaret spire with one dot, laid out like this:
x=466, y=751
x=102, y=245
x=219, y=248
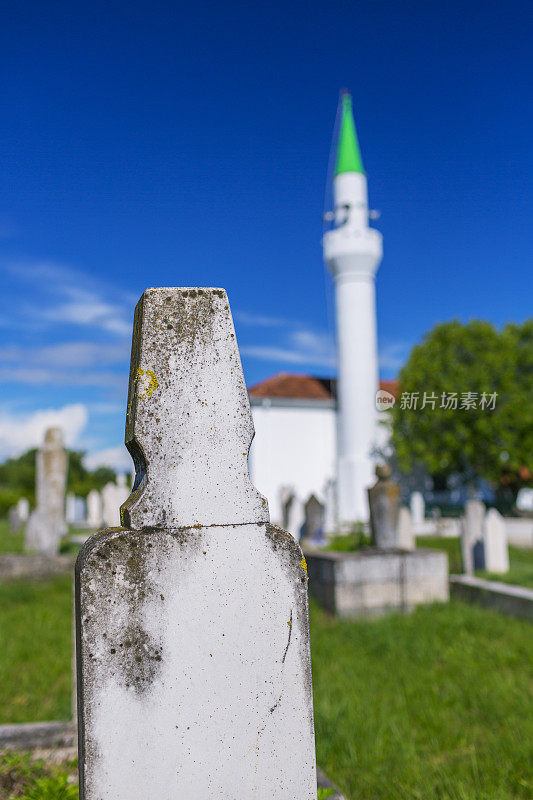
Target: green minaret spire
x=348, y=153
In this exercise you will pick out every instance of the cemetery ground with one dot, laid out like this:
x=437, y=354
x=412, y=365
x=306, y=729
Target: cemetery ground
x=434, y=704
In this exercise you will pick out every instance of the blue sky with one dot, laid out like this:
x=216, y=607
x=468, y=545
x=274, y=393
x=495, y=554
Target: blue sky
x=159, y=143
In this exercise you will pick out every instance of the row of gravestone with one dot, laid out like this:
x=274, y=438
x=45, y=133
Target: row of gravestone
x=483, y=533
x=47, y=524
x=483, y=539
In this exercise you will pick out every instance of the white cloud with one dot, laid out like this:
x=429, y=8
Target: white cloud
x=393, y=355
x=72, y=297
x=68, y=354
x=41, y=376
x=116, y=457
x=89, y=309
x=20, y=432
x=260, y=320
x=303, y=346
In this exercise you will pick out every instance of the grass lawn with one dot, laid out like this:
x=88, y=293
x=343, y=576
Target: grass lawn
x=10, y=542
x=521, y=568
x=35, y=650
x=434, y=705
x=14, y=542
x=520, y=560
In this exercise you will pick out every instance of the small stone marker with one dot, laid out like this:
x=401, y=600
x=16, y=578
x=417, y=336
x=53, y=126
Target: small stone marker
x=23, y=509
x=495, y=540
x=418, y=508
x=406, y=539
x=113, y=496
x=75, y=509
x=524, y=500
x=94, y=509
x=15, y=522
x=194, y=678
x=472, y=546
x=46, y=524
x=314, y=520
x=384, y=502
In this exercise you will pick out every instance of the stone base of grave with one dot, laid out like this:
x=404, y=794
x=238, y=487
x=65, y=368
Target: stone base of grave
x=517, y=601
x=34, y=735
x=33, y=566
x=373, y=582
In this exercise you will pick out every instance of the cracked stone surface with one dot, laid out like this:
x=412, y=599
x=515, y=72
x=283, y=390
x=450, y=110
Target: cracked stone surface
x=194, y=677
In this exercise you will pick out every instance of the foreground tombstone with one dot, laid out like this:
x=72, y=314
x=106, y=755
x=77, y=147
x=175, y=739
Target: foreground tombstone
x=46, y=524
x=194, y=676
x=384, y=502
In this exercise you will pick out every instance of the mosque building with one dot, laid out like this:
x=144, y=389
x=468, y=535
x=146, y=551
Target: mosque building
x=317, y=439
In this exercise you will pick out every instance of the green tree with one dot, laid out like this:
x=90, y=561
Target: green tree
x=476, y=441
x=17, y=478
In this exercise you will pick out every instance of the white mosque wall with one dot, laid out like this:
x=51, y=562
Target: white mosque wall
x=294, y=450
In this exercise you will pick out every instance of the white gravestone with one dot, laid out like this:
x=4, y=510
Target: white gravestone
x=23, y=509
x=472, y=545
x=418, y=508
x=46, y=525
x=94, y=509
x=194, y=669
x=524, y=500
x=15, y=522
x=113, y=496
x=70, y=508
x=495, y=540
x=406, y=539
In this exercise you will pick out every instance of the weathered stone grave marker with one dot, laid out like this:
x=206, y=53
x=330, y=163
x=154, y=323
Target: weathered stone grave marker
x=113, y=495
x=46, y=524
x=417, y=507
x=495, y=541
x=23, y=509
x=94, y=509
x=75, y=509
x=384, y=502
x=406, y=539
x=472, y=546
x=194, y=677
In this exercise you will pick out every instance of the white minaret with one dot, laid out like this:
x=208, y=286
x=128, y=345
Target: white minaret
x=352, y=251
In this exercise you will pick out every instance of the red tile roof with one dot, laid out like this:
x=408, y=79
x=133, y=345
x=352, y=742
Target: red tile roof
x=305, y=387
x=283, y=384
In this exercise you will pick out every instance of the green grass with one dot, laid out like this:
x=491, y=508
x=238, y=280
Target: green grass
x=35, y=650
x=432, y=705
x=451, y=545
x=10, y=542
x=520, y=560
x=521, y=568
x=28, y=779
x=14, y=542
x=435, y=705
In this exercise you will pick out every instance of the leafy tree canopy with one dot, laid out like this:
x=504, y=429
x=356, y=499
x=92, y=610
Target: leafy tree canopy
x=17, y=478
x=475, y=440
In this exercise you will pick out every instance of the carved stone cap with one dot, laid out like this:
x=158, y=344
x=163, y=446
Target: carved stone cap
x=188, y=423
x=53, y=439
x=383, y=472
